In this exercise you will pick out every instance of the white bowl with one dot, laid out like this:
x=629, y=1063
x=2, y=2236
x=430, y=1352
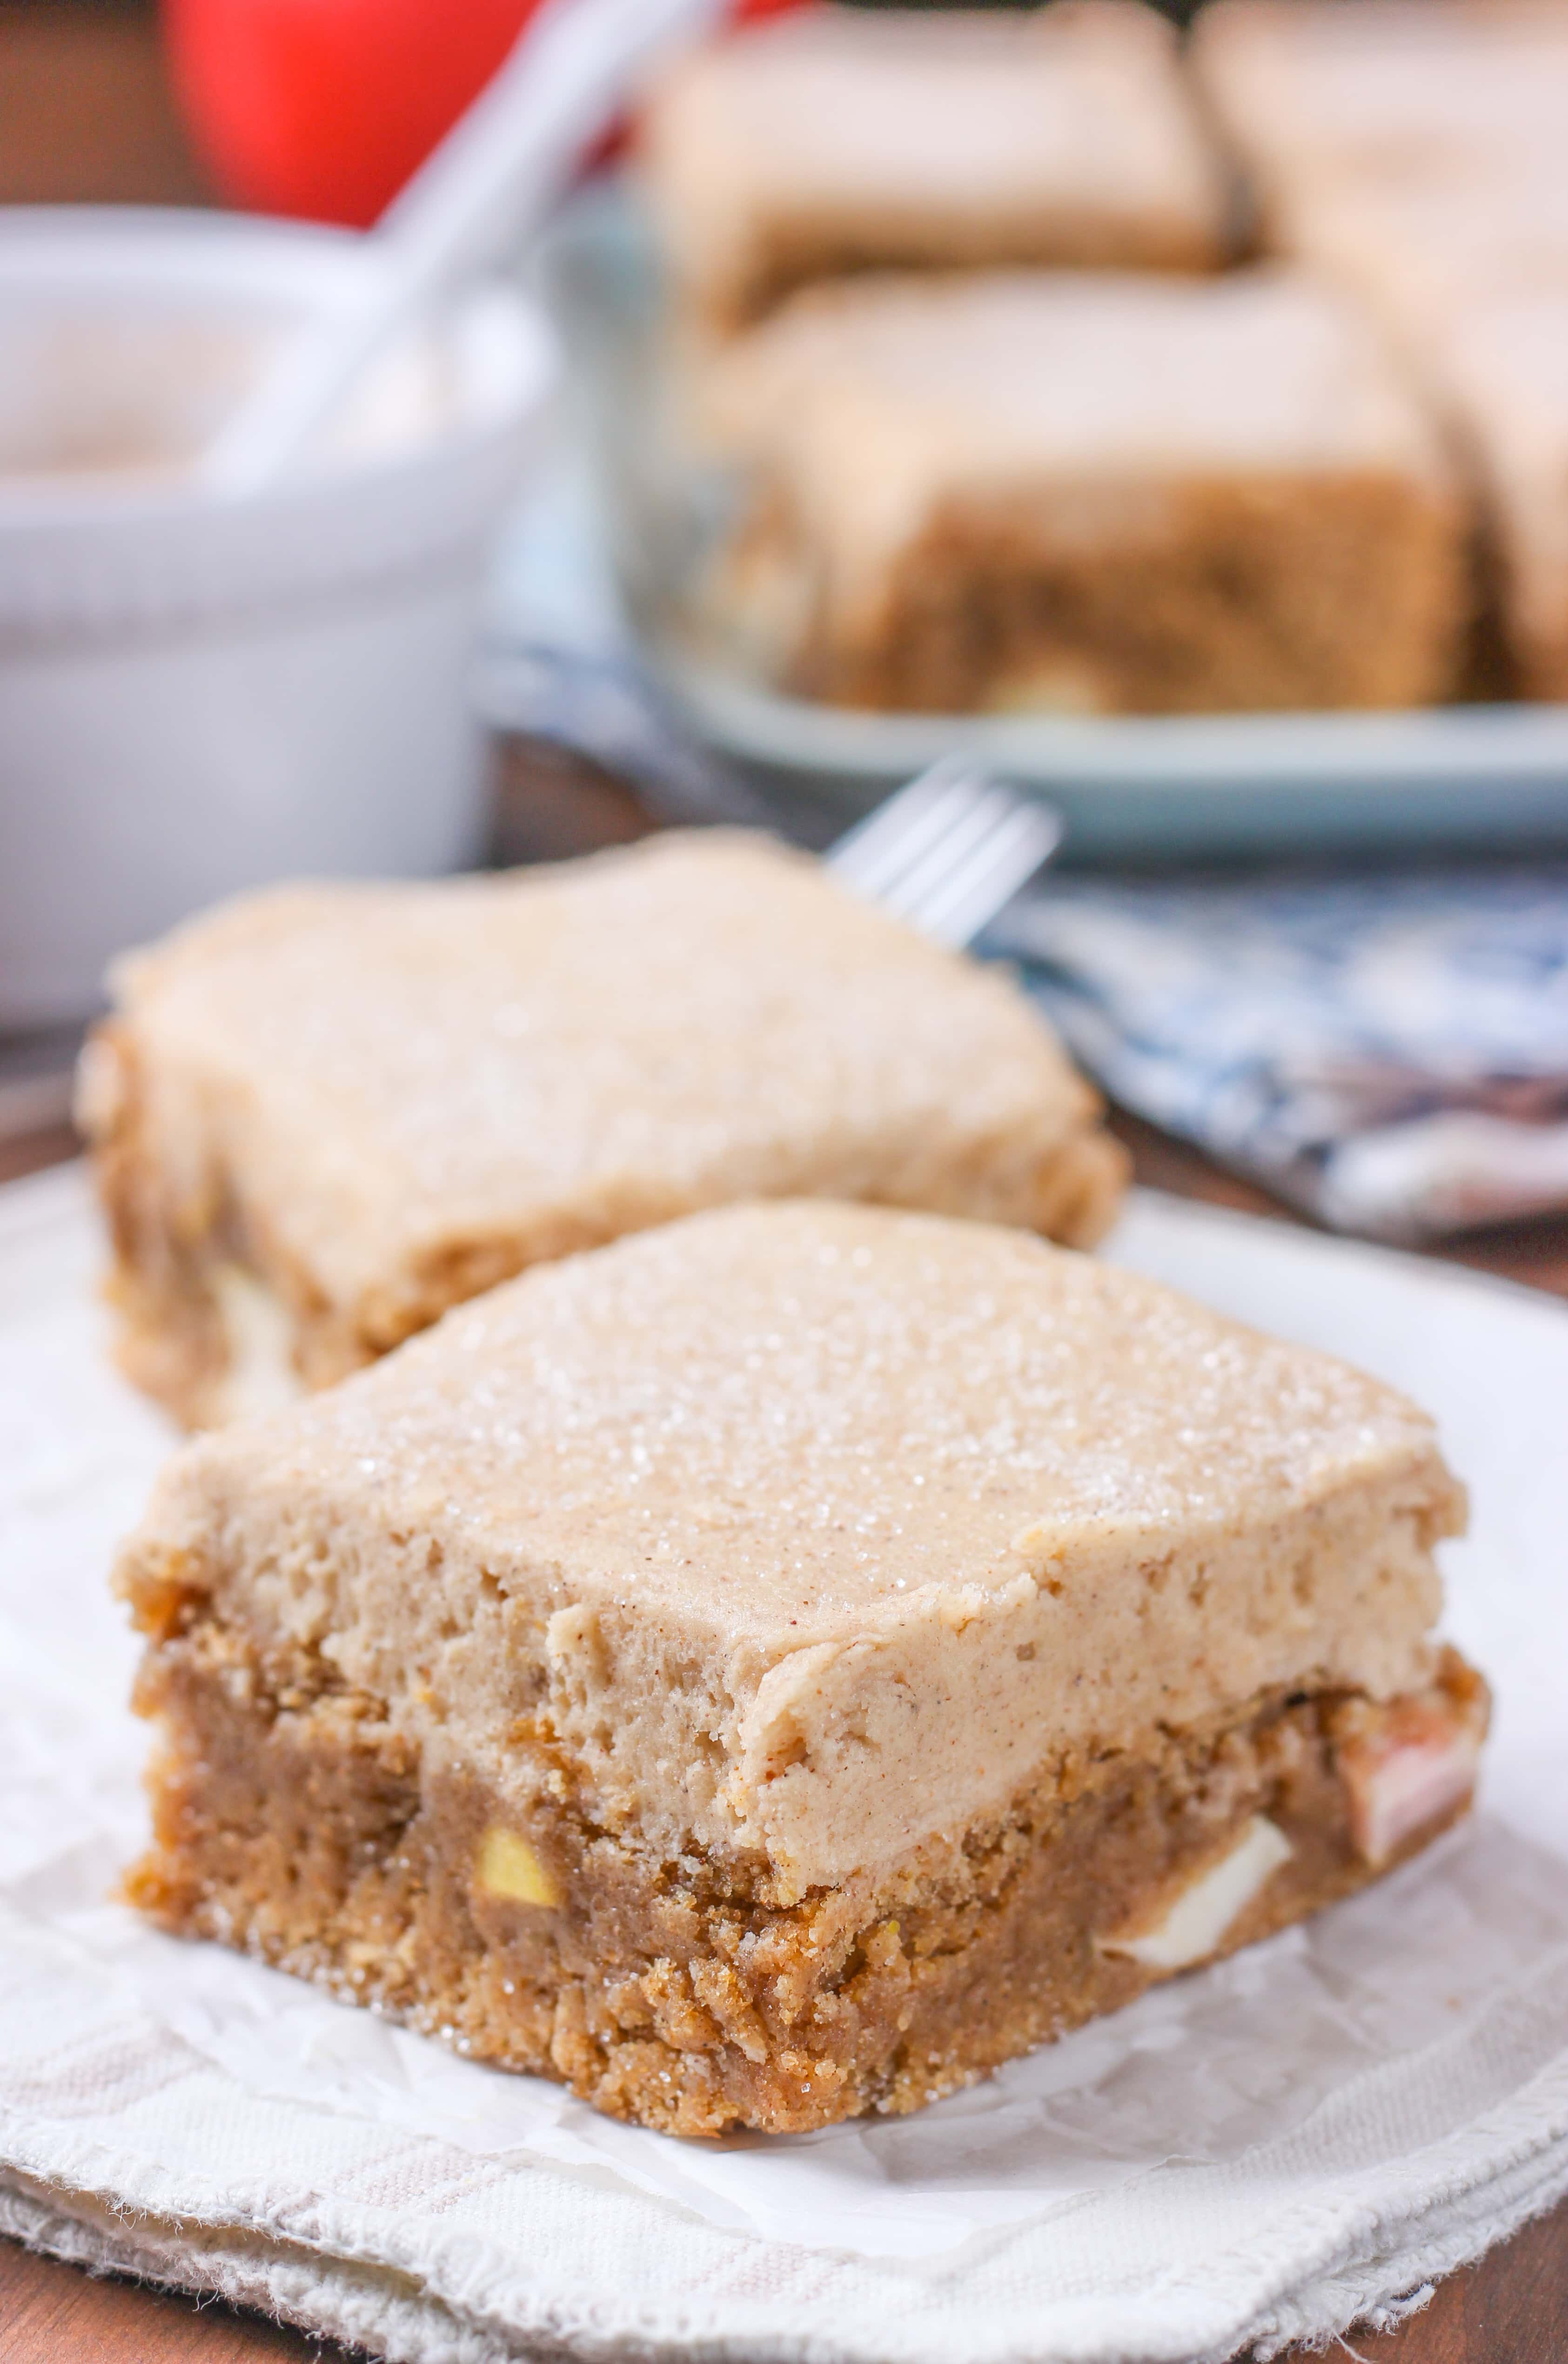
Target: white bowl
x=199, y=696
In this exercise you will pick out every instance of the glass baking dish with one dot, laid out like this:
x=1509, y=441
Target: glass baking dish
x=1154, y=787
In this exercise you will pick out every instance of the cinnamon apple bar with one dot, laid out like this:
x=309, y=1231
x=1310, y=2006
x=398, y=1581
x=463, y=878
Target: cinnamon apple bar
x=1085, y=494
x=1318, y=95
x=322, y=1115
x=1471, y=284
x=1499, y=362
x=836, y=140
x=1417, y=251
x=787, y=1663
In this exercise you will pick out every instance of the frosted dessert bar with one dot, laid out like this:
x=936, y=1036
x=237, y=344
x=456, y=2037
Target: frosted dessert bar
x=1415, y=252
x=1414, y=152
x=320, y=1115
x=835, y=139
x=1500, y=364
x=789, y=1662
x=1472, y=286
x=1311, y=94
x=1087, y=493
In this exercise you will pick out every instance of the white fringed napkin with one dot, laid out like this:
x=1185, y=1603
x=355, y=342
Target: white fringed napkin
x=1268, y=2151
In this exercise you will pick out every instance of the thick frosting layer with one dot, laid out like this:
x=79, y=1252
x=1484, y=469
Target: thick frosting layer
x=834, y=137
x=1383, y=88
x=390, y=1079
x=812, y=1530
x=1067, y=372
x=1417, y=251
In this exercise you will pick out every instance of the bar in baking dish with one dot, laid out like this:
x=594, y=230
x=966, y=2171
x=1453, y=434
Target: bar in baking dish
x=1085, y=494
x=836, y=140
x=1471, y=286
x=322, y=1115
x=1499, y=364
x=789, y=1662
x=1316, y=94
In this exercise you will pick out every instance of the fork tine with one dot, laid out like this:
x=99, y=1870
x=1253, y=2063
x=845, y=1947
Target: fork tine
x=870, y=856
x=1008, y=859
x=968, y=830
x=877, y=869
x=947, y=853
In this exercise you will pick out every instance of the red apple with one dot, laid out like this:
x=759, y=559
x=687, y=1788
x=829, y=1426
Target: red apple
x=323, y=107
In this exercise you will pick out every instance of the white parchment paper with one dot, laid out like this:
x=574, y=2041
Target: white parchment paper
x=1203, y=2070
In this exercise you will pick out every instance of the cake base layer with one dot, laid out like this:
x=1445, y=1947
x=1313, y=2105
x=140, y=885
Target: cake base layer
x=298, y=1825
x=1347, y=592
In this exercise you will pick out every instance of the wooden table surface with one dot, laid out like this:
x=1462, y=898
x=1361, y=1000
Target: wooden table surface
x=85, y=114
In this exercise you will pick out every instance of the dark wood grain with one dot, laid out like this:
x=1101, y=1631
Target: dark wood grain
x=53, y=2314
x=1511, y=2309
x=28, y=1153
x=85, y=112
x=85, y=115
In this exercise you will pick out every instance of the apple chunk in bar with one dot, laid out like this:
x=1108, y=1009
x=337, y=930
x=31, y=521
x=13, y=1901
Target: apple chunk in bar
x=789, y=1662
x=323, y=1115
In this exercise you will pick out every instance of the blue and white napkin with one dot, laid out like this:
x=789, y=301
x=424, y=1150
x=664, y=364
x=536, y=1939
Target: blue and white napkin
x=1388, y=1048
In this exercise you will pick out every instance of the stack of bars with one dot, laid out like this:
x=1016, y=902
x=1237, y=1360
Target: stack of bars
x=1069, y=373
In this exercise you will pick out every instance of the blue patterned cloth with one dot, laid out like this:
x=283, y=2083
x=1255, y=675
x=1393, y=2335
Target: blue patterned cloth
x=1387, y=1048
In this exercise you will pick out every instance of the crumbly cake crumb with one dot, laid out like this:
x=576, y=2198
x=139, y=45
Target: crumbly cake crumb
x=1318, y=95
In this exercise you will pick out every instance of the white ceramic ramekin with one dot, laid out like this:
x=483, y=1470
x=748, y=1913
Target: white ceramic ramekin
x=198, y=697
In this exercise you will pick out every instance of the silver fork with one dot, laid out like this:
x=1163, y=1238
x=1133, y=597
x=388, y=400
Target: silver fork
x=948, y=852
